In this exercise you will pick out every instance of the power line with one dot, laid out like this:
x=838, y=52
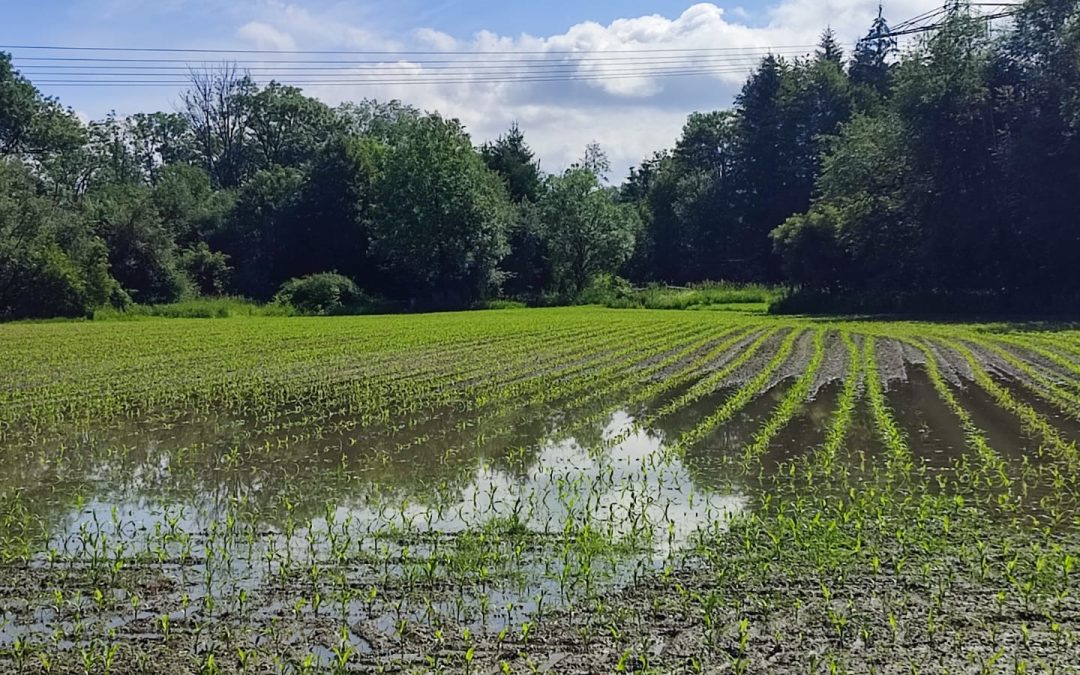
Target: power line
x=175, y=50
x=396, y=68
x=410, y=81
x=399, y=75
x=71, y=66
x=105, y=70
x=935, y=18
x=744, y=54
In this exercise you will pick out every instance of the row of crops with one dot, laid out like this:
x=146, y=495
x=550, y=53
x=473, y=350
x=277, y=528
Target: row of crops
x=577, y=490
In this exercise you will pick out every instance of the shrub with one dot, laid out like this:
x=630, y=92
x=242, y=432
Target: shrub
x=208, y=270
x=610, y=290
x=501, y=304
x=323, y=293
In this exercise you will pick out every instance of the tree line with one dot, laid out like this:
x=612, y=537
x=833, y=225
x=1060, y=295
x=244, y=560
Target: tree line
x=941, y=176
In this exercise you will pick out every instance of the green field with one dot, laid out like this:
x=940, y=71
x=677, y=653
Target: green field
x=563, y=490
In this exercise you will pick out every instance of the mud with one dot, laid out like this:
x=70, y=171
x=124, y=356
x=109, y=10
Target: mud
x=833, y=367
x=935, y=613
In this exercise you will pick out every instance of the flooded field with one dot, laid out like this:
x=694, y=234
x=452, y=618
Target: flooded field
x=571, y=490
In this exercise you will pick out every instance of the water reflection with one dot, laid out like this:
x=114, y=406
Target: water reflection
x=217, y=520
x=483, y=518
x=632, y=484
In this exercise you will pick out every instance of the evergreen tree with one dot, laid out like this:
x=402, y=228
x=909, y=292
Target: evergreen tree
x=870, y=66
x=829, y=48
x=512, y=158
x=767, y=172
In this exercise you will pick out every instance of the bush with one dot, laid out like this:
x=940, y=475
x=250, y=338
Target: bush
x=609, y=290
x=208, y=270
x=501, y=304
x=328, y=293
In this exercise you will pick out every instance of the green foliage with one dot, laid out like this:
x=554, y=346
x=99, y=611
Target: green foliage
x=31, y=124
x=255, y=234
x=324, y=293
x=809, y=248
x=871, y=67
x=286, y=127
x=616, y=292
x=142, y=254
x=708, y=295
x=208, y=270
x=511, y=158
x=501, y=304
x=930, y=200
x=586, y=230
x=190, y=209
x=859, y=228
x=441, y=217
x=939, y=178
x=609, y=290
x=196, y=308
x=330, y=227
x=51, y=264
x=736, y=175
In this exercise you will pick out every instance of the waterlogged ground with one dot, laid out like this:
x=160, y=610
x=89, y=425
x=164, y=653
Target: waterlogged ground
x=570, y=490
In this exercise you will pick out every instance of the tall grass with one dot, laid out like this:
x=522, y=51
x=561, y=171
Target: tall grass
x=706, y=295
x=196, y=308
x=714, y=295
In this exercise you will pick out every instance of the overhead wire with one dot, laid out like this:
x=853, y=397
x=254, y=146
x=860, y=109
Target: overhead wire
x=514, y=52
x=411, y=81
x=70, y=65
x=452, y=68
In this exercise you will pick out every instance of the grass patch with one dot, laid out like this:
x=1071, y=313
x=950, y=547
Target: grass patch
x=617, y=293
x=709, y=295
x=197, y=308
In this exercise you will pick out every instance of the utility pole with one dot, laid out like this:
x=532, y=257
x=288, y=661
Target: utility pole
x=936, y=18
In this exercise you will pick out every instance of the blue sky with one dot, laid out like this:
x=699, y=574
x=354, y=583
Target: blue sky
x=463, y=18
x=131, y=20
x=630, y=116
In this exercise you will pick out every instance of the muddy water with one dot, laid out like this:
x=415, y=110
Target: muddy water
x=1065, y=421
x=171, y=497
x=561, y=472
x=447, y=458
x=933, y=432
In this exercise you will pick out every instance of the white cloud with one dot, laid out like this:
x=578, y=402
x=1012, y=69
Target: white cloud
x=265, y=36
x=630, y=112
x=619, y=98
x=849, y=18
x=436, y=39
x=318, y=30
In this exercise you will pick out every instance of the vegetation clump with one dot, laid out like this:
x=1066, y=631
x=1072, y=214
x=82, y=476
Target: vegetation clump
x=325, y=293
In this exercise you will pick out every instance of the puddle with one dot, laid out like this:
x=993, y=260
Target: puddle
x=483, y=520
x=222, y=516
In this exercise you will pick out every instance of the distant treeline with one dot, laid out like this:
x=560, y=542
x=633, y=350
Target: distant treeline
x=940, y=178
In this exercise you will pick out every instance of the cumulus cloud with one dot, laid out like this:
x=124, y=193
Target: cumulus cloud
x=635, y=103
x=265, y=36
x=436, y=39
x=628, y=84
x=310, y=29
